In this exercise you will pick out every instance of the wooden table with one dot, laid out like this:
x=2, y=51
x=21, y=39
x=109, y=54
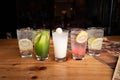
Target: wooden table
x=13, y=67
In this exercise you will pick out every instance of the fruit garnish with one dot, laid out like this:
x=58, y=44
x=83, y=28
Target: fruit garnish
x=97, y=43
x=40, y=48
x=59, y=30
x=90, y=40
x=82, y=37
x=25, y=44
x=37, y=37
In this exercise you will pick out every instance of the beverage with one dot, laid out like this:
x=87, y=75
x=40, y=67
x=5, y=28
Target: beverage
x=41, y=44
x=24, y=36
x=95, y=39
x=78, y=43
x=60, y=40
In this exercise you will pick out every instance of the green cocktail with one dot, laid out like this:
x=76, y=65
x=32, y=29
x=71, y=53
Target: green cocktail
x=41, y=44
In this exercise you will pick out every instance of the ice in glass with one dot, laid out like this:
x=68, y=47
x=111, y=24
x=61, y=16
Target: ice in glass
x=78, y=43
x=24, y=36
x=60, y=41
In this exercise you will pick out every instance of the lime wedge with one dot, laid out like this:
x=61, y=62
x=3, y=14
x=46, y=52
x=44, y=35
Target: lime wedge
x=82, y=37
x=37, y=37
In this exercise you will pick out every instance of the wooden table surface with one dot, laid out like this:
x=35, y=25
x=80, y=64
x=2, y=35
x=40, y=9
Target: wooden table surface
x=13, y=67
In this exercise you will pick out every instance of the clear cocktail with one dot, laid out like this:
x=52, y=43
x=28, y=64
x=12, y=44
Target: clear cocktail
x=95, y=39
x=24, y=36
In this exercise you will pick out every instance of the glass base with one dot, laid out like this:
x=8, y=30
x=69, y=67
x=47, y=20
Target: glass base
x=94, y=52
x=24, y=55
x=41, y=58
x=60, y=59
x=78, y=57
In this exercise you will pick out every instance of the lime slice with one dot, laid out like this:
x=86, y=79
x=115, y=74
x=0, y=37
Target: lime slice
x=97, y=43
x=90, y=40
x=82, y=37
x=37, y=37
x=25, y=44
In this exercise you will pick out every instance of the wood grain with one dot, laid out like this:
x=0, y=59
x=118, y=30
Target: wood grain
x=13, y=67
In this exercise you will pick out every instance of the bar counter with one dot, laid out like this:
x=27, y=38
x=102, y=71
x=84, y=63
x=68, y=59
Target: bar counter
x=13, y=67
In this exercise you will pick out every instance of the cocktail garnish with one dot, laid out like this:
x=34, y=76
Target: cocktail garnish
x=82, y=37
x=97, y=43
x=37, y=37
x=59, y=30
x=25, y=44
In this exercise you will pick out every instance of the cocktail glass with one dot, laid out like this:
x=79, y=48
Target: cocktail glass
x=78, y=43
x=60, y=41
x=41, y=44
x=24, y=36
x=95, y=39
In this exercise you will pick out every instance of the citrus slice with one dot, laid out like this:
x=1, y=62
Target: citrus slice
x=37, y=37
x=82, y=37
x=90, y=40
x=97, y=43
x=59, y=30
x=25, y=44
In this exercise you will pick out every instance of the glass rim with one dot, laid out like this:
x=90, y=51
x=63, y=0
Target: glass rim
x=95, y=28
x=41, y=29
x=64, y=30
x=24, y=29
x=77, y=28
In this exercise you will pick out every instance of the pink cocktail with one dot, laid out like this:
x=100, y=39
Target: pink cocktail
x=78, y=43
x=78, y=50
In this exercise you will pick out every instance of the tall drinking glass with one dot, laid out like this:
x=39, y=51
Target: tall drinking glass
x=60, y=41
x=24, y=36
x=41, y=44
x=78, y=43
x=95, y=39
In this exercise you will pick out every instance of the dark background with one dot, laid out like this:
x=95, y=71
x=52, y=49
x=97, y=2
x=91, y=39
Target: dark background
x=49, y=14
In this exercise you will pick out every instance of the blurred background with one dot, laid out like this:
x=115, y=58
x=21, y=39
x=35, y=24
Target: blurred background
x=66, y=14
